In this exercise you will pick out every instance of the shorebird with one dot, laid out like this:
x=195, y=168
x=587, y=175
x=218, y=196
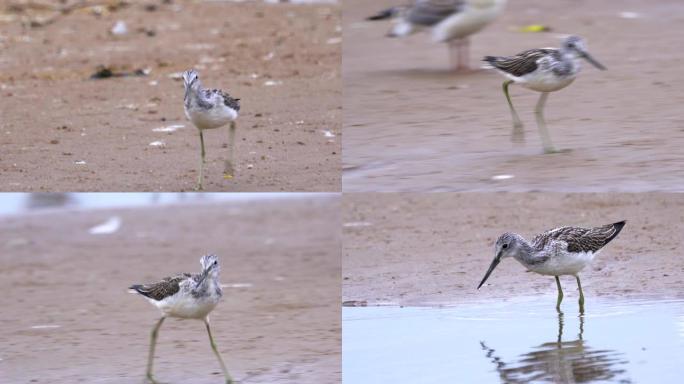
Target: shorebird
x=557, y=252
x=543, y=70
x=208, y=109
x=185, y=296
x=452, y=22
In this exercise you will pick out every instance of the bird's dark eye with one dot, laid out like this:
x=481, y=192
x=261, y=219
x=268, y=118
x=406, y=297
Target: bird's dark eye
x=504, y=246
x=215, y=262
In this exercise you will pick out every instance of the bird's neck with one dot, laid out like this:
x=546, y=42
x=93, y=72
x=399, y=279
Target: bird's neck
x=570, y=56
x=193, y=92
x=524, y=250
x=209, y=282
x=214, y=285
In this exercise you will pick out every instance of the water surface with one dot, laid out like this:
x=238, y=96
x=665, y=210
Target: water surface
x=519, y=341
x=18, y=203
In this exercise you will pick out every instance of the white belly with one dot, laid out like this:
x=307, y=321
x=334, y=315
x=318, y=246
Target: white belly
x=467, y=22
x=569, y=264
x=211, y=118
x=185, y=306
x=545, y=82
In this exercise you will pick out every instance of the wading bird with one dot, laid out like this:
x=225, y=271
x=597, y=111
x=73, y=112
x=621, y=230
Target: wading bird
x=185, y=296
x=543, y=70
x=557, y=252
x=451, y=21
x=209, y=109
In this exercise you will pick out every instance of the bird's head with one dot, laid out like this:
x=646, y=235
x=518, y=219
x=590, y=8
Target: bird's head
x=507, y=245
x=210, y=264
x=576, y=46
x=190, y=78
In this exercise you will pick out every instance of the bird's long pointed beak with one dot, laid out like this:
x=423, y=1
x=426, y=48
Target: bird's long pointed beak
x=495, y=262
x=201, y=279
x=586, y=56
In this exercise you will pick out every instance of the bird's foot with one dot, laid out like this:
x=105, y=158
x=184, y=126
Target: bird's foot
x=199, y=187
x=150, y=379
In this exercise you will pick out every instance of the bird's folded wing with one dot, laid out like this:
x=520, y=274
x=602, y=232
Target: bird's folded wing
x=160, y=290
x=579, y=239
x=227, y=99
x=520, y=64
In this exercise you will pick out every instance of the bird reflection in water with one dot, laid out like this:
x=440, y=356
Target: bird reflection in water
x=562, y=362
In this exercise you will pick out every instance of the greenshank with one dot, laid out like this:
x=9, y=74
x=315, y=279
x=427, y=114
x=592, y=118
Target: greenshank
x=209, y=109
x=557, y=252
x=185, y=296
x=451, y=21
x=543, y=70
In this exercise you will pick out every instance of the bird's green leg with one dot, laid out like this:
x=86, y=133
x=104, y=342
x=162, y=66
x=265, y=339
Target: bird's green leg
x=581, y=298
x=153, y=343
x=518, y=134
x=201, y=171
x=228, y=169
x=560, y=327
x=560, y=294
x=541, y=124
x=229, y=380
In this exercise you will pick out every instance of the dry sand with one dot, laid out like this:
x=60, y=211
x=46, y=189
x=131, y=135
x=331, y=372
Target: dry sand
x=411, y=125
x=52, y=116
x=279, y=321
x=423, y=249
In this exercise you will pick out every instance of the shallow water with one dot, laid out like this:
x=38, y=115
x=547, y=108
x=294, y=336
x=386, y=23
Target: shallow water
x=18, y=203
x=519, y=341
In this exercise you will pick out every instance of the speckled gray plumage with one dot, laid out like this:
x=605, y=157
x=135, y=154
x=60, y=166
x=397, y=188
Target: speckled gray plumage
x=523, y=63
x=164, y=288
x=169, y=286
x=198, y=96
x=227, y=99
x=579, y=239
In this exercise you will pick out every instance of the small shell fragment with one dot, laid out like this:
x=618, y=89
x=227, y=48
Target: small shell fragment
x=169, y=128
x=158, y=144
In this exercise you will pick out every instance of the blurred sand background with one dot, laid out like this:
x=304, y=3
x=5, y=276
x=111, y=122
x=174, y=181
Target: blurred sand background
x=278, y=322
x=431, y=249
x=281, y=60
x=411, y=125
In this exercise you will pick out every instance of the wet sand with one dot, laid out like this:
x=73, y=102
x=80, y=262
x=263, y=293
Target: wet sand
x=411, y=125
x=53, y=118
x=430, y=249
x=279, y=320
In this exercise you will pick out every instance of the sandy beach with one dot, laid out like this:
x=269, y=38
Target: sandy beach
x=68, y=317
x=63, y=132
x=412, y=125
x=433, y=249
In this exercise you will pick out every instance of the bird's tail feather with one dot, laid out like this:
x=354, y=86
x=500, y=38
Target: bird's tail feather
x=489, y=62
x=138, y=288
x=617, y=227
x=490, y=59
